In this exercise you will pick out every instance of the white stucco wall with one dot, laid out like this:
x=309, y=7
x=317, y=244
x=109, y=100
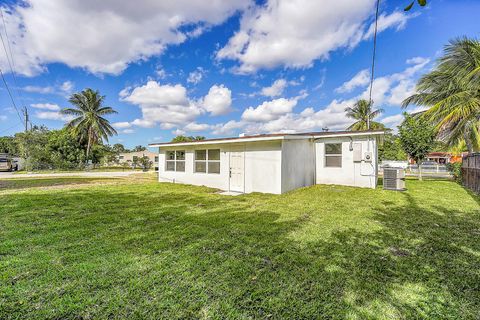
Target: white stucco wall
x=262, y=166
x=298, y=164
x=278, y=166
x=358, y=174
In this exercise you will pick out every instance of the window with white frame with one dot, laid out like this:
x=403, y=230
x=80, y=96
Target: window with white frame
x=175, y=160
x=333, y=155
x=207, y=161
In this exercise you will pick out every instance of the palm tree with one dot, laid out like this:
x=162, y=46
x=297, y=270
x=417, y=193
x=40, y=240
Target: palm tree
x=363, y=114
x=89, y=122
x=452, y=93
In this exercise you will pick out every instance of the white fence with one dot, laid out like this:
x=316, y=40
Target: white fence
x=427, y=170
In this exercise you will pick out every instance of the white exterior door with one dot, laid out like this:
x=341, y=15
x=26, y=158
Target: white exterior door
x=237, y=170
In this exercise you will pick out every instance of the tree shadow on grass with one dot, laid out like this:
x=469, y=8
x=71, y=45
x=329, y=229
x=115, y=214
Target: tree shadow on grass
x=191, y=254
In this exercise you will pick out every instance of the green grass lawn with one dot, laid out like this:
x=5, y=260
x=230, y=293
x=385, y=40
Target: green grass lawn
x=141, y=249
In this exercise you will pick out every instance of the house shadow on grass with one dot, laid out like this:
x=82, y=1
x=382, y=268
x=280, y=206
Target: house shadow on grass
x=190, y=254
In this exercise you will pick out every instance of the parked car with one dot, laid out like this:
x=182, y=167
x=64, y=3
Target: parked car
x=6, y=164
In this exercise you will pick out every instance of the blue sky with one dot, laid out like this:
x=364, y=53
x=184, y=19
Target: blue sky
x=220, y=68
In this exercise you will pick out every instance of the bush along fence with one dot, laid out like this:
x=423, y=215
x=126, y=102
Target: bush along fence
x=471, y=172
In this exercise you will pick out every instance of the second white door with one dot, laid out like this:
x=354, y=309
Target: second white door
x=237, y=171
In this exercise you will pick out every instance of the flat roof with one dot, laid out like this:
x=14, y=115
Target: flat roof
x=272, y=136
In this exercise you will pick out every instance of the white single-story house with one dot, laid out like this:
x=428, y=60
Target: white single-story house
x=273, y=163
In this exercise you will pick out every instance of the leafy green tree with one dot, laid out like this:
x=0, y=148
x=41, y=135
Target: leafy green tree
x=417, y=137
x=145, y=163
x=118, y=148
x=139, y=148
x=362, y=112
x=31, y=146
x=451, y=91
x=187, y=139
x=8, y=145
x=64, y=150
x=89, y=122
x=391, y=148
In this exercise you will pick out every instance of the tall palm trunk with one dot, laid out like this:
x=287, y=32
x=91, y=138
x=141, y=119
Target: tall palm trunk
x=89, y=143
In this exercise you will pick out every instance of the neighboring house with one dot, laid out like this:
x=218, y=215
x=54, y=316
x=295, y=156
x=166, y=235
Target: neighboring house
x=273, y=163
x=443, y=157
x=134, y=157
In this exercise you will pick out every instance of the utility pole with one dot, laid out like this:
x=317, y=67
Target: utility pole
x=25, y=114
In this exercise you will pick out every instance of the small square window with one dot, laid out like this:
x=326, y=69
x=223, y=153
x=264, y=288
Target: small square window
x=180, y=155
x=333, y=148
x=214, y=167
x=333, y=161
x=170, y=166
x=200, y=154
x=180, y=166
x=200, y=166
x=333, y=155
x=214, y=154
x=175, y=160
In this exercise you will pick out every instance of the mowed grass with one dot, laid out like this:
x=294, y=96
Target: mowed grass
x=26, y=183
x=141, y=249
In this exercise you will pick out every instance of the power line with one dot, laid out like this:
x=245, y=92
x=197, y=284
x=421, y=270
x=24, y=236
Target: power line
x=11, y=64
x=10, y=94
x=16, y=125
x=11, y=61
x=373, y=60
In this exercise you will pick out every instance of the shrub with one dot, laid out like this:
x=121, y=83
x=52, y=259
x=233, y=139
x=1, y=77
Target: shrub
x=456, y=170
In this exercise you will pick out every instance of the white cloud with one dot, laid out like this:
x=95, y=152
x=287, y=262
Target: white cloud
x=144, y=123
x=278, y=116
x=269, y=110
x=193, y=126
x=127, y=131
x=48, y=31
x=276, y=89
x=65, y=88
x=121, y=125
x=397, y=20
x=3, y=118
x=392, y=121
x=417, y=60
x=160, y=72
x=178, y=132
x=162, y=104
x=46, y=106
x=196, y=75
x=169, y=107
x=218, y=101
x=52, y=115
x=227, y=128
x=393, y=89
x=295, y=33
x=39, y=89
x=361, y=79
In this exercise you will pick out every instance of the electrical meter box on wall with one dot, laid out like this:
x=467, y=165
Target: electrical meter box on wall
x=357, y=152
x=368, y=157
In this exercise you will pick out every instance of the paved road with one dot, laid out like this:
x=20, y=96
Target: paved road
x=112, y=174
